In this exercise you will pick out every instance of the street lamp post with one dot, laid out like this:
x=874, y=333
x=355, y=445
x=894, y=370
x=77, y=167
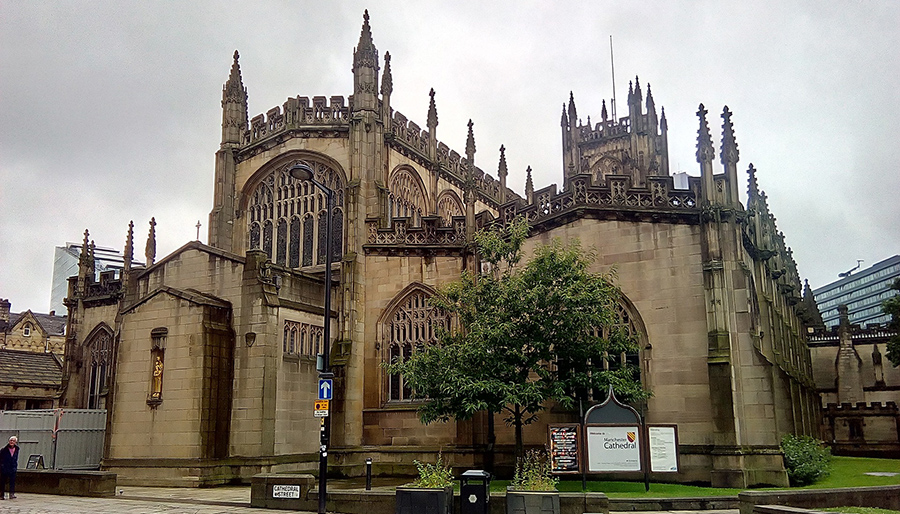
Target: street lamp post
x=302, y=171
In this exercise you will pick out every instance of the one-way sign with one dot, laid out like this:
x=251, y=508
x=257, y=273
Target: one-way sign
x=326, y=389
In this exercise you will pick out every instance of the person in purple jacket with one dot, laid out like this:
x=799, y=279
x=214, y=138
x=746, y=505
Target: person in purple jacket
x=9, y=462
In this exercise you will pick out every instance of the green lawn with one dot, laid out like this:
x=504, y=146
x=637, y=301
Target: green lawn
x=861, y=510
x=846, y=472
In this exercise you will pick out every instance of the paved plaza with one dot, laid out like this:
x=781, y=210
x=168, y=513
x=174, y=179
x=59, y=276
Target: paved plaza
x=155, y=500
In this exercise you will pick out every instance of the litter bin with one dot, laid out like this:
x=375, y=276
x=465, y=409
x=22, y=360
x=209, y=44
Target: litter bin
x=474, y=492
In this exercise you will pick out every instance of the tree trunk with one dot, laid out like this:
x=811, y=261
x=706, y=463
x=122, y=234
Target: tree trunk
x=491, y=439
x=517, y=422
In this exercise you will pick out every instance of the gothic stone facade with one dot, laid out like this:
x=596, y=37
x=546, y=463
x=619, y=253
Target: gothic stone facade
x=211, y=349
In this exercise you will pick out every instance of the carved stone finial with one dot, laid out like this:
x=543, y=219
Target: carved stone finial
x=470, y=145
x=572, y=113
x=705, y=152
x=729, y=153
x=603, y=113
x=432, y=112
x=129, y=246
x=501, y=169
x=365, y=54
x=637, y=91
x=752, y=185
x=651, y=105
x=150, y=251
x=663, y=124
x=529, y=186
x=564, y=121
x=387, y=81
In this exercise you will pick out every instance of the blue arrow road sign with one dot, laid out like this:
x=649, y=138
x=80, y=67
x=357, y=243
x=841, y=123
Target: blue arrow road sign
x=326, y=389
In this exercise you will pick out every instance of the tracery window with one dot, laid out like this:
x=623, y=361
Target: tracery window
x=412, y=325
x=629, y=329
x=302, y=338
x=406, y=198
x=286, y=217
x=448, y=205
x=100, y=353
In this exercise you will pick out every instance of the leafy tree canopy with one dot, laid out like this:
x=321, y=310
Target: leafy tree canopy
x=524, y=335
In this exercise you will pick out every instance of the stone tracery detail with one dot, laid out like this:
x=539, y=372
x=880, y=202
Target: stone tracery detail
x=414, y=323
x=449, y=205
x=407, y=199
x=282, y=214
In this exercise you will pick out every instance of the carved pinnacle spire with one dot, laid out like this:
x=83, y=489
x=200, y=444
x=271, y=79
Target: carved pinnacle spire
x=752, y=186
x=470, y=146
x=603, y=113
x=663, y=124
x=651, y=105
x=637, y=91
x=729, y=152
x=234, y=89
x=150, y=251
x=572, y=115
x=432, y=112
x=502, y=171
x=705, y=152
x=564, y=120
x=387, y=82
x=529, y=186
x=630, y=92
x=365, y=54
x=129, y=246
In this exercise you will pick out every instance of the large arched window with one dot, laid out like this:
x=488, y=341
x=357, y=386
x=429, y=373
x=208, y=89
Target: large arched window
x=99, y=347
x=412, y=323
x=407, y=198
x=629, y=326
x=448, y=206
x=286, y=217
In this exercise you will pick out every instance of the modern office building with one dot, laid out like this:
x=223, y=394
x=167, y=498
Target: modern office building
x=65, y=265
x=862, y=292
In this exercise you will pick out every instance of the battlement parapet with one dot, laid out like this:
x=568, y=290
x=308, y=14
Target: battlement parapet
x=452, y=165
x=605, y=130
x=298, y=112
x=869, y=335
x=616, y=197
x=862, y=408
x=433, y=231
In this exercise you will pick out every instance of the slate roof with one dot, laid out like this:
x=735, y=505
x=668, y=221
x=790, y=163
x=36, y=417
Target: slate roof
x=30, y=369
x=54, y=325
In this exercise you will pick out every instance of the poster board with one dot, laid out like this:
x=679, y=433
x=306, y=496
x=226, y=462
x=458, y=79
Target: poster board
x=565, y=448
x=663, y=448
x=613, y=448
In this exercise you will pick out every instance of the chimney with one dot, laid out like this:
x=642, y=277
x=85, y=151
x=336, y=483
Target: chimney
x=4, y=310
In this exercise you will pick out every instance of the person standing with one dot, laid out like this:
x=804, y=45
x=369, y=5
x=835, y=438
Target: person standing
x=9, y=462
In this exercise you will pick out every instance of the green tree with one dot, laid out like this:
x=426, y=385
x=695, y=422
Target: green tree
x=523, y=335
x=892, y=306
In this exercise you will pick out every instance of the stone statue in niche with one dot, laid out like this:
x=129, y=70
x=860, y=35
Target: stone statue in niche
x=156, y=392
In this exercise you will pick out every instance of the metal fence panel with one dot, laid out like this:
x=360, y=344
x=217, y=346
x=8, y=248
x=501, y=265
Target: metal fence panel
x=79, y=436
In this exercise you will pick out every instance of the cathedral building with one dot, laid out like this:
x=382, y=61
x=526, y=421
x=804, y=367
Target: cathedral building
x=211, y=351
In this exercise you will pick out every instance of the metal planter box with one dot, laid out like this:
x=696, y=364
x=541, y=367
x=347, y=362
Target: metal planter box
x=532, y=502
x=419, y=500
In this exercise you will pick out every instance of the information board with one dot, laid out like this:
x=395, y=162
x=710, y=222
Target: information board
x=564, y=448
x=285, y=491
x=613, y=448
x=663, y=449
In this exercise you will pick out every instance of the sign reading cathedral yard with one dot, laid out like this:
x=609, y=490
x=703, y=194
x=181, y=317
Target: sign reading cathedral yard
x=613, y=448
x=565, y=443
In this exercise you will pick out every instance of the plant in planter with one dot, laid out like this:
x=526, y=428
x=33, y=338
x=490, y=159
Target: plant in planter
x=431, y=493
x=533, y=489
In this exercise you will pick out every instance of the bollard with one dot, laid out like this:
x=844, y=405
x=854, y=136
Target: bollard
x=369, y=474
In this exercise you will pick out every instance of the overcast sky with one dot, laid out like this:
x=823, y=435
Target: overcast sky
x=110, y=111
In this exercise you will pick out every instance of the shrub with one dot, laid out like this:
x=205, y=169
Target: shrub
x=533, y=473
x=806, y=459
x=437, y=475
